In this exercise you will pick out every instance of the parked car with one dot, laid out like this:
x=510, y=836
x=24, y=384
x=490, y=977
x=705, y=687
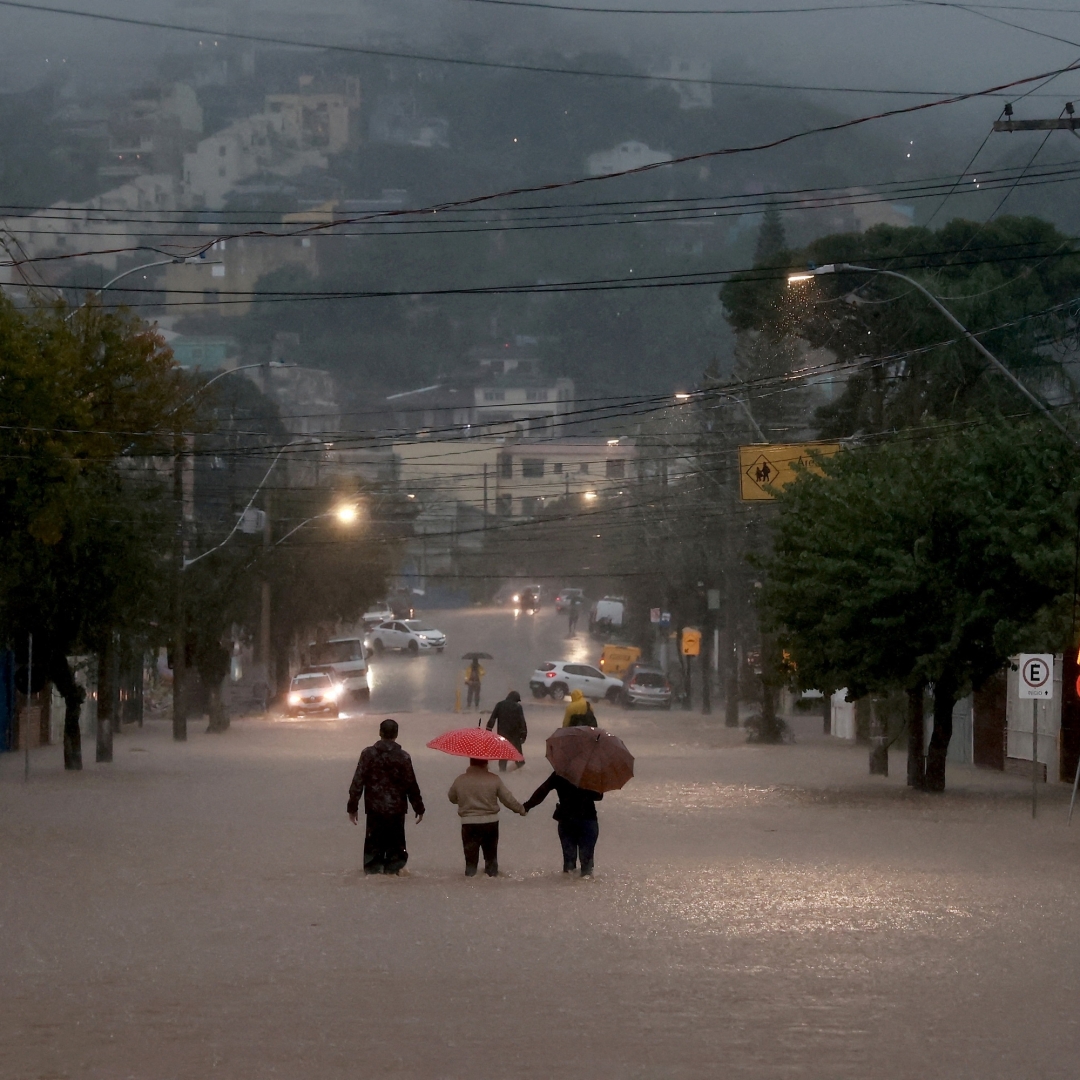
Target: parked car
x=644, y=685
x=557, y=678
x=378, y=613
x=567, y=597
x=405, y=635
x=607, y=615
x=314, y=692
x=618, y=659
x=346, y=659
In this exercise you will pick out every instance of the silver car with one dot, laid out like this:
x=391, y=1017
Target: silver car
x=646, y=686
x=406, y=635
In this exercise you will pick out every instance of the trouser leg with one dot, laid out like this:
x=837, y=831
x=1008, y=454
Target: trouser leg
x=588, y=831
x=470, y=842
x=489, y=840
x=374, y=852
x=568, y=840
x=395, y=854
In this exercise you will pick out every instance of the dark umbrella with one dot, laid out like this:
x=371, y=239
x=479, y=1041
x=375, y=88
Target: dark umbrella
x=478, y=656
x=590, y=758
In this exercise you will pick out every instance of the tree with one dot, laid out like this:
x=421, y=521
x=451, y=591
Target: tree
x=929, y=559
x=84, y=403
x=1012, y=281
x=772, y=239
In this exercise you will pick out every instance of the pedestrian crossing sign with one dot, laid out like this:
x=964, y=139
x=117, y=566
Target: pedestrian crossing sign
x=764, y=469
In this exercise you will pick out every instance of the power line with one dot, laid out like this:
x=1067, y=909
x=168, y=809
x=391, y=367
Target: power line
x=395, y=54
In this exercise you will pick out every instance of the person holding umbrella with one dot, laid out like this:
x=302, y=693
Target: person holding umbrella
x=586, y=762
x=473, y=676
x=510, y=717
x=478, y=792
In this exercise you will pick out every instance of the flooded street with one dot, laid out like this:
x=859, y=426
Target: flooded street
x=198, y=910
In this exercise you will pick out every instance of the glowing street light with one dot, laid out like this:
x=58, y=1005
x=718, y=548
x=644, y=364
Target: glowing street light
x=347, y=513
x=590, y=495
x=840, y=268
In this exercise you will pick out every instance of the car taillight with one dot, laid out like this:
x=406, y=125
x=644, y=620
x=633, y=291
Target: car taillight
x=549, y=675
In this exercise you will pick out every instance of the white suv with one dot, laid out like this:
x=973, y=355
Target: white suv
x=407, y=635
x=559, y=677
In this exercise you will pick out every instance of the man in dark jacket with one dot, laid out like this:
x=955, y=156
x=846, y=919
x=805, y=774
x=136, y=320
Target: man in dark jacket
x=385, y=777
x=576, y=816
x=510, y=717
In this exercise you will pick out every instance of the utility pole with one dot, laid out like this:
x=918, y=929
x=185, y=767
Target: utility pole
x=264, y=619
x=179, y=625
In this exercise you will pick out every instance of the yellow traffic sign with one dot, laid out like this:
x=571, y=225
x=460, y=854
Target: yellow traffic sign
x=691, y=642
x=762, y=467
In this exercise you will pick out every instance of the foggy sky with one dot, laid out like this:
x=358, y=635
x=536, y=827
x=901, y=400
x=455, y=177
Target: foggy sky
x=912, y=46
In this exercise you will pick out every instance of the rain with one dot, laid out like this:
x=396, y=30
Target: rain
x=539, y=538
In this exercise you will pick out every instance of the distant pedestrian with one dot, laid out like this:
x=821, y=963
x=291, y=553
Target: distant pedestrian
x=575, y=813
x=385, y=777
x=477, y=793
x=510, y=717
x=573, y=617
x=579, y=712
x=473, y=677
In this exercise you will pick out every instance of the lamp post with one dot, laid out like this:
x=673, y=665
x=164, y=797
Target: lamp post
x=180, y=561
x=145, y=266
x=839, y=268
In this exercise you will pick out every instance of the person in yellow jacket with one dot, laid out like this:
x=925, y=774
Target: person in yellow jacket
x=473, y=674
x=578, y=712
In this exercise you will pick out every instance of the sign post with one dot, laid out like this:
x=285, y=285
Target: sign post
x=1036, y=683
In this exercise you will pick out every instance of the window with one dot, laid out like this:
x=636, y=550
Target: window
x=504, y=505
x=505, y=466
x=217, y=271
x=494, y=395
x=530, y=506
x=616, y=467
x=583, y=467
x=557, y=467
x=531, y=466
x=221, y=170
x=221, y=150
x=536, y=395
x=591, y=672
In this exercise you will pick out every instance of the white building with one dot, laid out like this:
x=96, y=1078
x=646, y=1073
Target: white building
x=627, y=155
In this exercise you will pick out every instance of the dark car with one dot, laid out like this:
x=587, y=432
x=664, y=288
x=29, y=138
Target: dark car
x=645, y=685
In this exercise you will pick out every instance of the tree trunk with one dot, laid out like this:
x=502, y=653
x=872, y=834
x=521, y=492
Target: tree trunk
x=215, y=708
x=916, y=759
x=770, y=732
x=879, y=740
x=105, y=700
x=826, y=711
x=64, y=680
x=944, y=700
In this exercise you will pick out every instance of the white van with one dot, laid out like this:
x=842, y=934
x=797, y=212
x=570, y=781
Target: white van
x=607, y=615
x=346, y=658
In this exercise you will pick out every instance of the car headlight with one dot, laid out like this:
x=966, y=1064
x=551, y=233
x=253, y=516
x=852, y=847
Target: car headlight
x=516, y=599
x=334, y=693
x=294, y=698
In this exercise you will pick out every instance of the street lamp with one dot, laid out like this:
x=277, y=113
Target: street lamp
x=145, y=266
x=839, y=268
x=346, y=513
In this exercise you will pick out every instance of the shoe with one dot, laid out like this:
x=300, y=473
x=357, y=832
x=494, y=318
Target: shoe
x=470, y=871
x=567, y=867
x=492, y=871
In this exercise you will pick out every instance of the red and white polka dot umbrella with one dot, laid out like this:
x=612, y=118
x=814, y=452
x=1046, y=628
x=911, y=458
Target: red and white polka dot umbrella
x=475, y=742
